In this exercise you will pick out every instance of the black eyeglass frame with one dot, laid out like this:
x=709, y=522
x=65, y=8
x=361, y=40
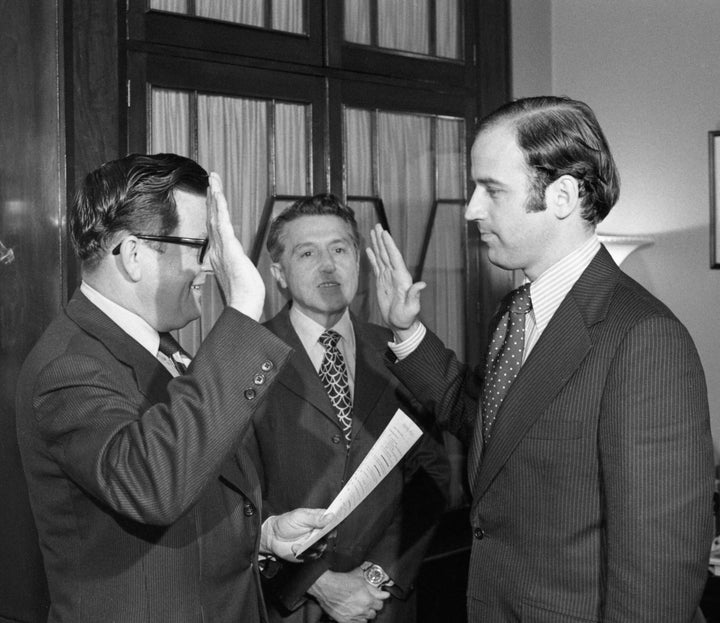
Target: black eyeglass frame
x=199, y=243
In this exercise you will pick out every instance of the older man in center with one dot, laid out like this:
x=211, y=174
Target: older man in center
x=312, y=433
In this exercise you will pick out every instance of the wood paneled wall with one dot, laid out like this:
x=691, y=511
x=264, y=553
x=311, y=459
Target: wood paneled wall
x=59, y=112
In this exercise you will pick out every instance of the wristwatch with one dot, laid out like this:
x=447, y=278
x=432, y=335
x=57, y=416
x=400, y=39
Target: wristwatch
x=375, y=575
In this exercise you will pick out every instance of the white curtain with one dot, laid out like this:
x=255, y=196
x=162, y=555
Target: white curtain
x=259, y=148
x=170, y=122
x=174, y=6
x=249, y=12
x=357, y=21
x=447, y=19
x=410, y=161
x=406, y=177
x=403, y=25
x=406, y=25
x=287, y=15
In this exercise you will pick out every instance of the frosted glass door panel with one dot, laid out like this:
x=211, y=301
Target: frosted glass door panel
x=430, y=28
x=284, y=15
x=260, y=148
x=411, y=163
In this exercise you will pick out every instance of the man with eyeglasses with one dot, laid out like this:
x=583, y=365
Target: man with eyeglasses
x=146, y=508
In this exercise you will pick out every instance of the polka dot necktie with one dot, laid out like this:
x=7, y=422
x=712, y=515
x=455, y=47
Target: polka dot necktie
x=333, y=373
x=171, y=349
x=504, y=358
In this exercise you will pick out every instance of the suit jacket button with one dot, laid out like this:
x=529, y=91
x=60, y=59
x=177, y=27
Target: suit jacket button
x=267, y=366
x=259, y=379
x=248, y=509
x=336, y=438
x=478, y=533
x=250, y=394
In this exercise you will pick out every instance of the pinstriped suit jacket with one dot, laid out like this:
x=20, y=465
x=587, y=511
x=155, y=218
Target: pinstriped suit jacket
x=593, y=497
x=144, y=509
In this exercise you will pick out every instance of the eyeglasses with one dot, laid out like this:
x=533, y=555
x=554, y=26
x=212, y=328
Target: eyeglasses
x=200, y=243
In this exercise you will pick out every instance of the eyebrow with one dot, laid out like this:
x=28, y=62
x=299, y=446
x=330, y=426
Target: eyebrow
x=343, y=240
x=489, y=181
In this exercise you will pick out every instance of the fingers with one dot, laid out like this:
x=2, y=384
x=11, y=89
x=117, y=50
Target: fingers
x=312, y=517
x=218, y=212
x=390, y=253
x=373, y=262
x=385, y=252
x=378, y=259
x=377, y=604
x=379, y=596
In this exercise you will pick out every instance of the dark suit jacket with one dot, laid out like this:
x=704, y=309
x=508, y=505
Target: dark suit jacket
x=593, y=497
x=305, y=463
x=144, y=509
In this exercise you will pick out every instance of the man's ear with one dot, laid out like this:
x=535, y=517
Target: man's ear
x=129, y=258
x=562, y=196
x=278, y=274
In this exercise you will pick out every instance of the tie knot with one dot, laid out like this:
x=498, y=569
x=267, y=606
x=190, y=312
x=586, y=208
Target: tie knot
x=329, y=339
x=520, y=302
x=168, y=345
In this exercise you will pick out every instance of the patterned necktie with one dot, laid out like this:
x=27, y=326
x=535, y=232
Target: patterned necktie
x=171, y=349
x=333, y=374
x=504, y=358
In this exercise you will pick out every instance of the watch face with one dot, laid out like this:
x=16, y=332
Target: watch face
x=375, y=575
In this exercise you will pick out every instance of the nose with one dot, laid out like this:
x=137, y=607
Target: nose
x=475, y=209
x=327, y=262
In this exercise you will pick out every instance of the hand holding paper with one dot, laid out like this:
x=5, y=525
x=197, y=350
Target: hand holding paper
x=398, y=437
x=281, y=534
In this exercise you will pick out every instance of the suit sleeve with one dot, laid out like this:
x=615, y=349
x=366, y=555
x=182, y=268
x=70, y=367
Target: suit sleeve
x=656, y=457
x=151, y=462
x=444, y=386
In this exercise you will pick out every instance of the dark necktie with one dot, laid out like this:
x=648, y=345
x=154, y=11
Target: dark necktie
x=171, y=349
x=333, y=373
x=502, y=364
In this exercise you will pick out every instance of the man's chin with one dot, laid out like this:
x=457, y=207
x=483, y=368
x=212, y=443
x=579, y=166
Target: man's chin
x=497, y=259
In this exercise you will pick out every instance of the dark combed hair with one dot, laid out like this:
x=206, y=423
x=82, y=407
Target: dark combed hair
x=133, y=194
x=560, y=136
x=317, y=205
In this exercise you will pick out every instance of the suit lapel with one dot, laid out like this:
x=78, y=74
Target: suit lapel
x=150, y=375
x=299, y=376
x=152, y=379
x=555, y=358
x=371, y=376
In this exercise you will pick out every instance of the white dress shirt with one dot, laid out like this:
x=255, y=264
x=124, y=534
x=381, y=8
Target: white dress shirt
x=135, y=326
x=546, y=293
x=309, y=331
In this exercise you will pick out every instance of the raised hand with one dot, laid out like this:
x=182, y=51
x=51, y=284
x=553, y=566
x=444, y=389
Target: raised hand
x=237, y=276
x=398, y=297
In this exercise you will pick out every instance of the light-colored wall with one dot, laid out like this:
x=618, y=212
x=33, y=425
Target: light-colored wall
x=651, y=71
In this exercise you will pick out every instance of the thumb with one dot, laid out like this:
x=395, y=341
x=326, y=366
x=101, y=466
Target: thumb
x=414, y=291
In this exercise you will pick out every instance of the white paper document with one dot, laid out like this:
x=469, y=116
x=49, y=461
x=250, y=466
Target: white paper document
x=398, y=437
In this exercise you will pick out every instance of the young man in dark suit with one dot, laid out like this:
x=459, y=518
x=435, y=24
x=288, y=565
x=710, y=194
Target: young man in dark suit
x=592, y=470
x=146, y=510
x=307, y=451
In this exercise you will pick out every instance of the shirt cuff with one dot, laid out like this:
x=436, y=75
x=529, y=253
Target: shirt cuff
x=408, y=346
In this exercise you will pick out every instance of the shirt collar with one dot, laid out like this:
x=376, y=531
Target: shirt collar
x=135, y=326
x=549, y=289
x=309, y=331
